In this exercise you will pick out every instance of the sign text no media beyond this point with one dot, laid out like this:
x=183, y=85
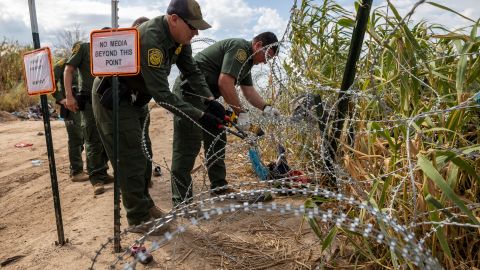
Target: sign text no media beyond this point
x=109, y=53
x=113, y=43
x=114, y=53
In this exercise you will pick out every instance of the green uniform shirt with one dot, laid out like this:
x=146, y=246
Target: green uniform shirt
x=158, y=52
x=226, y=56
x=80, y=59
x=58, y=69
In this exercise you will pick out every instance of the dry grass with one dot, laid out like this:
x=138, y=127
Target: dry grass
x=262, y=243
x=16, y=99
x=13, y=94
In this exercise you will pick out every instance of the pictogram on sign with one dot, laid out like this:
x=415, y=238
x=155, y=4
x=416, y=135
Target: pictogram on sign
x=114, y=52
x=38, y=71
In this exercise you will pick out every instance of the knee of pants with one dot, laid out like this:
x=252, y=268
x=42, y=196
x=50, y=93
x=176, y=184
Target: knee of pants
x=183, y=160
x=179, y=174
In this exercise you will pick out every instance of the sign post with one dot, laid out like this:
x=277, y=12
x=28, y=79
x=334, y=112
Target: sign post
x=40, y=81
x=115, y=52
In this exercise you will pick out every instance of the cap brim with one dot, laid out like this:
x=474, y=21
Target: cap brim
x=199, y=24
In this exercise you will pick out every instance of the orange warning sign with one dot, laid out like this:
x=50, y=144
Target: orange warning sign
x=38, y=71
x=115, y=52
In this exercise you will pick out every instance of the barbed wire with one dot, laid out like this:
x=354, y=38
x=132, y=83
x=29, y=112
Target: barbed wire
x=206, y=209
x=383, y=153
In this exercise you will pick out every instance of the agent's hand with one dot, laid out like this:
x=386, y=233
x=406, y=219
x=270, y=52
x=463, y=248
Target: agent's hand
x=270, y=111
x=71, y=104
x=210, y=122
x=243, y=122
x=215, y=108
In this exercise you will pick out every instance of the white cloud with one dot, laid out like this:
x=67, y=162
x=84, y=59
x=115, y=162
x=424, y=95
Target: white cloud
x=229, y=18
x=269, y=20
x=435, y=15
x=132, y=11
x=235, y=15
x=54, y=16
x=13, y=21
x=235, y=18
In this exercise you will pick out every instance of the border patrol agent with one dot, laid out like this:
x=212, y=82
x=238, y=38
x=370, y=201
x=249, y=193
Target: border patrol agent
x=72, y=124
x=146, y=130
x=222, y=63
x=96, y=157
x=164, y=41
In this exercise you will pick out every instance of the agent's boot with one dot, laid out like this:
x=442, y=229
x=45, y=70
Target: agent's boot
x=98, y=189
x=79, y=177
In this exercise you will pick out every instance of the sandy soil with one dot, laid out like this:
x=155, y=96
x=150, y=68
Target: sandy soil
x=28, y=229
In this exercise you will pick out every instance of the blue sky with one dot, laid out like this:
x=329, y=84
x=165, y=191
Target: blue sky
x=229, y=18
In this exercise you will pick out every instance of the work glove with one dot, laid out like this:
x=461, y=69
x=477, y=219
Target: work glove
x=243, y=122
x=210, y=122
x=216, y=109
x=270, y=111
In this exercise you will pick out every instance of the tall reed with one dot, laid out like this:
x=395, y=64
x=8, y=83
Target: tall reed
x=411, y=110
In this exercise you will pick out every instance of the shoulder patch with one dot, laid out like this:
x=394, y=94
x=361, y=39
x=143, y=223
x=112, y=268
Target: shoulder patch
x=60, y=62
x=155, y=57
x=76, y=48
x=179, y=49
x=241, y=55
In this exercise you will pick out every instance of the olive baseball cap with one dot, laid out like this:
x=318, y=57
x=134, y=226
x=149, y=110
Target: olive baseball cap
x=188, y=10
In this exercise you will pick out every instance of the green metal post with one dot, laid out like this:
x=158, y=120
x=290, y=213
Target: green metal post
x=116, y=168
x=48, y=134
x=349, y=77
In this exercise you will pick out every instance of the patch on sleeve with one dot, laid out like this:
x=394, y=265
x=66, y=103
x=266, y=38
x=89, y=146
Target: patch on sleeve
x=61, y=62
x=155, y=57
x=76, y=48
x=241, y=55
x=179, y=49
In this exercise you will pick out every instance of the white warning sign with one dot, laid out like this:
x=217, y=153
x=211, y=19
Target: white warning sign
x=114, y=52
x=37, y=67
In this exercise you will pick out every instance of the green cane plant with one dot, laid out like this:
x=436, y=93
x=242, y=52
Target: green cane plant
x=410, y=77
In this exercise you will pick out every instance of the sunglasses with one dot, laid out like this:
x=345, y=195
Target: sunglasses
x=189, y=25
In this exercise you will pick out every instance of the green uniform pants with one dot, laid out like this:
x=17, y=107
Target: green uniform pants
x=187, y=140
x=96, y=157
x=75, y=142
x=132, y=168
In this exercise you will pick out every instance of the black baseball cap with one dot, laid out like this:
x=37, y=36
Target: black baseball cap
x=188, y=10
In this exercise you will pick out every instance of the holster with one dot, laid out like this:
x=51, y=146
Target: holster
x=82, y=100
x=142, y=99
x=64, y=112
x=105, y=91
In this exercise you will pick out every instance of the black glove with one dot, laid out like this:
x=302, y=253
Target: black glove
x=216, y=109
x=210, y=122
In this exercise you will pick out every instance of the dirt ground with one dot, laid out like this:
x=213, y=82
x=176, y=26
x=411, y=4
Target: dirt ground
x=28, y=229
